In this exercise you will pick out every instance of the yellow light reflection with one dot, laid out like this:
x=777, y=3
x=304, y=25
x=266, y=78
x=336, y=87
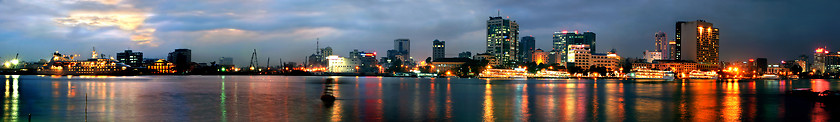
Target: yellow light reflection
x=488, y=104
x=732, y=102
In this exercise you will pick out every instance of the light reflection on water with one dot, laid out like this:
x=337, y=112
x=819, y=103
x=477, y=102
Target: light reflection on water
x=286, y=98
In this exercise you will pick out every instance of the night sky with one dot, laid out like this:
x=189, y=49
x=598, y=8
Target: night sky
x=775, y=29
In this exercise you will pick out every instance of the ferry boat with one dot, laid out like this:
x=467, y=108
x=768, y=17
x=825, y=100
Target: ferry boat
x=504, y=73
x=65, y=65
x=696, y=74
x=651, y=74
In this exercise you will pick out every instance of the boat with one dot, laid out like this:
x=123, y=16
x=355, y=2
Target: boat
x=697, y=74
x=651, y=74
x=550, y=74
x=769, y=77
x=65, y=65
x=504, y=73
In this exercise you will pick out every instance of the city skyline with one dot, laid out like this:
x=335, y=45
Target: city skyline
x=281, y=32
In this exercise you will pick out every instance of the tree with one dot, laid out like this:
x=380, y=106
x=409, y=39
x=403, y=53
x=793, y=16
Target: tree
x=396, y=66
x=796, y=69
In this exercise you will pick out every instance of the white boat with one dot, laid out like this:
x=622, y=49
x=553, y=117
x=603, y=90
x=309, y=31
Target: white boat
x=65, y=65
x=651, y=74
x=697, y=74
x=770, y=77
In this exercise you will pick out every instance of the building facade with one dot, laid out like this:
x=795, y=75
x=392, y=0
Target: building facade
x=131, y=58
x=467, y=54
x=526, y=48
x=502, y=40
x=438, y=49
x=662, y=45
x=697, y=41
x=226, y=61
x=540, y=57
x=338, y=64
x=651, y=56
x=403, y=46
x=562, y=40
x=182, y=58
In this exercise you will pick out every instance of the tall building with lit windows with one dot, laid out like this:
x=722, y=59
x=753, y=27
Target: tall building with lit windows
x=438, y=49
x=562, y=40
x=662, y=45
x=131, y=58
x=697, y=41
x=502, y=40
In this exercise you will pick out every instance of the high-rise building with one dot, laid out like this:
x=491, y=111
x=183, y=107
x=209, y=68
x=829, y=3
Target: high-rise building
x=563, y=39
x=502, y=36
x=672, y=50
x=526, y=48
x=403, y=46
x=467, y=54
x=662, y=45
x=326, y=52
x=697, y=41
x=438, y=49
x=761, y=65
x=226, y=61
x=182, y=58
x=819, y=65
x=131, y=58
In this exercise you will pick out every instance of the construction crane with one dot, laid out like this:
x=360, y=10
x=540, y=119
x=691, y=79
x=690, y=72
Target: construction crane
x=254, y=64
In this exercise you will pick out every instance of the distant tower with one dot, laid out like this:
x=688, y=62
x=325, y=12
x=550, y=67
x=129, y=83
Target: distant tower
x=438, y=49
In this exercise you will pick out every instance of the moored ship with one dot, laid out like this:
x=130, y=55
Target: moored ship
x=65, y=65
x=651, y=74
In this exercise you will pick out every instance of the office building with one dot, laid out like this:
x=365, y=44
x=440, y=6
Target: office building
x=403, y=46
x=182, y=58
x=131, y=58
x=438, y=49
x=581, y=56
x=502, y=40
x=226, y=61
x=650, y=56
x=562, y=40
x=443, y=65
x=526, y=48
x=338, y=64
x=540, y=57
x=662, y=45
x=697, y=41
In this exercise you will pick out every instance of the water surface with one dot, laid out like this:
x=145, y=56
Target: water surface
x=296, y=98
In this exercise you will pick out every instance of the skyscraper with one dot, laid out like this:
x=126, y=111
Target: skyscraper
x=182, y=58
x=131, y=58
x=526, y=48
x=502, y=35
x=662, y=45
x=403, y=46
x=438, y=49
x=563, y=39
x=697, y=41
